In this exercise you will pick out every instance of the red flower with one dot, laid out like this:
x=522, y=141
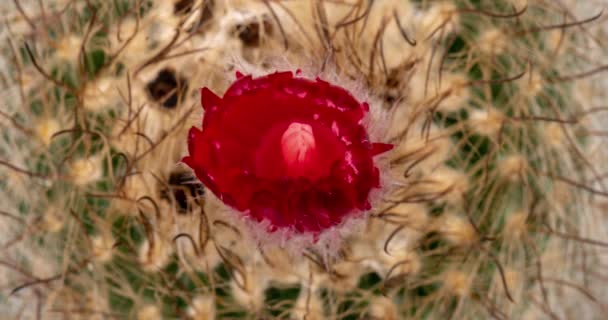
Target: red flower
x=286, y=149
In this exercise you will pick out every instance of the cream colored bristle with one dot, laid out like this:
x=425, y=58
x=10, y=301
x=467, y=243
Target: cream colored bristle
x=67, y=48
x=26, y=80
x=308, y=306
x=486, y=122
x=428, y=153
x=449, y=183
x=347, y=275
x=135, y=187
x=512, y=167
x=102, y=247
x=248, y=291
x=492, y=42
x=202, y=308
x=155, y=258
x=554, y=135
x=414, y=216
x=84, y=171
x=456, y=230
x=512, y=281
x=95, y=300
x=383, y=308
x=519, y=4
x=456, y=282
x=100, y=94
x=441, y=15
x=45, y=129
x=149, y=312
x=282, y=267
x=400, y=263
x=555, y=39
x=515, y=225
x=531, y=84
x=52, y=220
x=454, y=92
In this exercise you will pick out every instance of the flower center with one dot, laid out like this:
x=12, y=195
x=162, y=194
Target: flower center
x=298, y=148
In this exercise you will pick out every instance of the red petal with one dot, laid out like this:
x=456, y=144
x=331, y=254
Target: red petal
x=188, y=161
x=194, y=134
x=307, y=181
x=209, y=100
x=378, y=148
x=240, y=86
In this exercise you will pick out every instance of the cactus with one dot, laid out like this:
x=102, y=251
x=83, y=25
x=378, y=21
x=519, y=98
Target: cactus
x=496, y=185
